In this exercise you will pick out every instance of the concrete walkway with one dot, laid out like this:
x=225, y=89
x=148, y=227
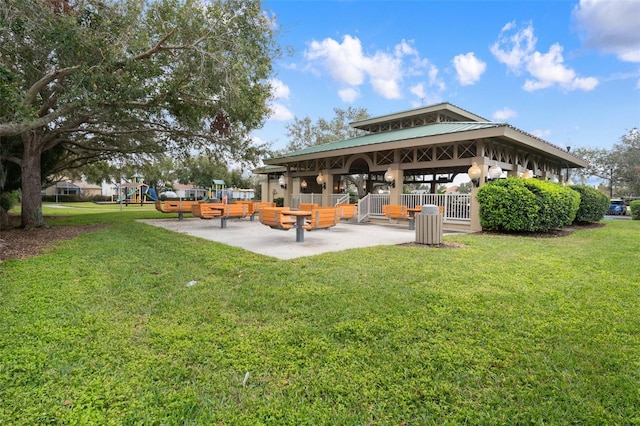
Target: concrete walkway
x=258, y=238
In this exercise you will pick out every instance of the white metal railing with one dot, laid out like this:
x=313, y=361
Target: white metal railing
x=375, y=203
x=339, y=199
x=363, y=208
x=417, y=200
x=296, y=199
x=457, y=207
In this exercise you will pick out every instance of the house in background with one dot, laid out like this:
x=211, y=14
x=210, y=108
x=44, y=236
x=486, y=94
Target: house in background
x=71, y=187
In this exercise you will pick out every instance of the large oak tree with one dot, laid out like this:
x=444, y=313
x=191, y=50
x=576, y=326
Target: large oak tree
x=103, y=79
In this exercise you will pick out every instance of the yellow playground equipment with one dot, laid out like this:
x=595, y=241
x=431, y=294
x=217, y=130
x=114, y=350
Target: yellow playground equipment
x=134, y=192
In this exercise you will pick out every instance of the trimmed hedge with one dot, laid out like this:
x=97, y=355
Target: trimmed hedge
x=593, y=204
x=635, y=209
x=526, y=205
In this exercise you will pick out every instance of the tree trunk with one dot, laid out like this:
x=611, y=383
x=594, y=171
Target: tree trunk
x=31, y=181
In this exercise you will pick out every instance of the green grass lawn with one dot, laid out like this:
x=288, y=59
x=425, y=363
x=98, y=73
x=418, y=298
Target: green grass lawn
x=138, y=325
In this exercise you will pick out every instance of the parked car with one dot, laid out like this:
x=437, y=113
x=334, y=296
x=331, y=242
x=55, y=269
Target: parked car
x=617, y=207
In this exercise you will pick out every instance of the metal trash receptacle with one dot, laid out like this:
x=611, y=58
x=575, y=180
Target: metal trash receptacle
x=429, y=225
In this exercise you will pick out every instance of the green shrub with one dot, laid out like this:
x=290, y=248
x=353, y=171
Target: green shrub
x=635, y=209
x=506, y=205
x=8, y=200
x=558, y=204
x=279, y=202
x=593, y=204
x=526, y=205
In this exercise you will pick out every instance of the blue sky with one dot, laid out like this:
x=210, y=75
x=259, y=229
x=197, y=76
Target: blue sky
x=566, y=71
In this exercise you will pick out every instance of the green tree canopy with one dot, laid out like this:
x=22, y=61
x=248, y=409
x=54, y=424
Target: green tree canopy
x=620, y=166
x=202, y=170
x=105, y=79
x=303, y=133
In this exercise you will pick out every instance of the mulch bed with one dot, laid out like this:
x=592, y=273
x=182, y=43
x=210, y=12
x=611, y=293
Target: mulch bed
x=16, y=243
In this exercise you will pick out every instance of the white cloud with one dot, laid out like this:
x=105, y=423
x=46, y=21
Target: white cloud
x=385, y=73
x=405, y=48
x=434, y=80
x=469, y=68
x=279, y=90
x=542, y=134
x=418, y=90
x=343, y=61
x=546, y=69
x=279, y=112
x=423, y=97
x=504, y=114
x=348, y=65
x=349, y=94
x=521, y=45
x=611, y=26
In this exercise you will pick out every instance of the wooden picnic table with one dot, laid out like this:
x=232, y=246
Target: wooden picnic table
x=300, y=216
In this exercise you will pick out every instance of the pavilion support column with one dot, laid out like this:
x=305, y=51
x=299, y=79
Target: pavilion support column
x=474, y=208
x=395, y=193
x=475, y=211
x=289, y=189
x=328, y=191
x=328, y=187
x=264, y=187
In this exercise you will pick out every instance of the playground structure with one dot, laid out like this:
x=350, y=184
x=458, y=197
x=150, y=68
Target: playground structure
x=219, y=191
x=134, y=192
x=138, y=192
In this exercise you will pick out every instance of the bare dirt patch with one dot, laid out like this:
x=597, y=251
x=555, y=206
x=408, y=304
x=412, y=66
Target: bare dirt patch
x=16, y=243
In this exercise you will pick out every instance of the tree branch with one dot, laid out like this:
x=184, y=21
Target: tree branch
x=11, y=159
x=45, y=80
x=155, y=49
x=13, y=129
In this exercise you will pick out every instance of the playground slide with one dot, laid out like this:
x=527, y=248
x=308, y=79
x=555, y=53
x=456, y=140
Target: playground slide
x=125, y=196
x=151, y=193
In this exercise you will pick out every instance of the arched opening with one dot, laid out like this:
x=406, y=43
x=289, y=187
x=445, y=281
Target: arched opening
x=358, y=180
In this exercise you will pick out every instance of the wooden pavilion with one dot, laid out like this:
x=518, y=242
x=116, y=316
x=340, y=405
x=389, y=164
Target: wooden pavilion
x=427, y=145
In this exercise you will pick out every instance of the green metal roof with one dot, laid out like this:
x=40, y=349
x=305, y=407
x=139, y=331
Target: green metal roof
x=392, y=136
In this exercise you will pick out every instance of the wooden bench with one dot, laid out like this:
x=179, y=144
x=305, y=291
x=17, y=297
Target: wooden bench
x=347, y=211
x=207, y=210
x=322, y=218
x=307, y=206
x=259, y=205
x=274, y=218
x=235, y=210
x=175, y=206
x=250, y=205
x=395, y=211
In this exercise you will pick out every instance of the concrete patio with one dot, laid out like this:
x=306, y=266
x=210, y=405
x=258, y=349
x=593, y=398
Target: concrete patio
x=258, y=238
